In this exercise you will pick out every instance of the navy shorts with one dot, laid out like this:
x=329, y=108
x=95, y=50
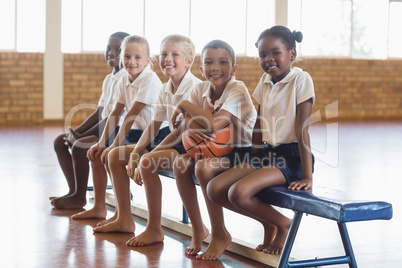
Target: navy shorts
x=285, y=157
x=112, y=136
x=159, y=138
x=238, y=155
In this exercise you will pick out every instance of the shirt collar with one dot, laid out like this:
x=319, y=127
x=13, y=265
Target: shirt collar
x=147, y=70
x=183, y=87
x=119, y=74
x=207, y=93
x=286, y=79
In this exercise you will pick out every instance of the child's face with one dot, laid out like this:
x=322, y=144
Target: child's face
x=173, y=61
x=135, y=59
x=218, y=67
x=275, y=57
x=112, y=53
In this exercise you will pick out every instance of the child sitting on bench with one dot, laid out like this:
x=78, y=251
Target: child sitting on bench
x=281, y=151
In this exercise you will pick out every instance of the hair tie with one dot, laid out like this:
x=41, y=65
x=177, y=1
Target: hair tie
x=298, y=36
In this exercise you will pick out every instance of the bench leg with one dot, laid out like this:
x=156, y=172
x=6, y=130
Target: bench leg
x=347, y=244
x=184, y=216
x=287, y=248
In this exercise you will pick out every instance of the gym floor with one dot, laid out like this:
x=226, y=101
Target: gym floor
x=363, y=159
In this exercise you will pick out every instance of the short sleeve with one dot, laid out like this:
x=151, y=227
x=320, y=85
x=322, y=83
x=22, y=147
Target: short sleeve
x=196, y=96
x=258, y=92
x=160, y=111
x=305, y=88
x=102, y=99
x=147, y=89
x=238, y=97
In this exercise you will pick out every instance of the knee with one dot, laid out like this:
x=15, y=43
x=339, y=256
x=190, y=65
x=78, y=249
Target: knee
x=236, y=195
x=58, y=143
x=114, y=157
x=96, y=163
x=146, y=163
x=215, y=192
x=181, y=165
x=203, y=171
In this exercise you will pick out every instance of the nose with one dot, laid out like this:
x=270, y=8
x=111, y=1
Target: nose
x=215, y=66
x=269, y=59
x=168, y=58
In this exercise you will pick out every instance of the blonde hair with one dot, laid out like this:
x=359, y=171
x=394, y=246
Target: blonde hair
x=135, y=39
x=185, y=42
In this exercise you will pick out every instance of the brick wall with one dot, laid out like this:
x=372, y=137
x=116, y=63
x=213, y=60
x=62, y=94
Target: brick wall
x=83, y=78
x=21, y=88
x=364, y=89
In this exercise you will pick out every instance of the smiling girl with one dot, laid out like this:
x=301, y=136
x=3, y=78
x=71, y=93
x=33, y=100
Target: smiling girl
x=137, y=94
x=281, y=141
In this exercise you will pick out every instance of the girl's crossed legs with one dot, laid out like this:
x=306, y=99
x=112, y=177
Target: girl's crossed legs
x=236, y=188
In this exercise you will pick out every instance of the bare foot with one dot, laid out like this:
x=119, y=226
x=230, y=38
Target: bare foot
x=93, y=213
x=69, y=202
x=52, y=198
x=196, y=242
x=101, y=223
x=148, y=237
x=277, y=244
x=117, y=226
x=270, y=231
x=216, y=248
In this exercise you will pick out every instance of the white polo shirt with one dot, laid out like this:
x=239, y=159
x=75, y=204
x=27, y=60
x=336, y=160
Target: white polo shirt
x=278, y=104
x=168, y=100
x=236, y=100
x=109, y=89
x=144, y=89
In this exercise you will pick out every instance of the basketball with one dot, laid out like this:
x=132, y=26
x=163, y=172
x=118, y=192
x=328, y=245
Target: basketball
x=221, y=145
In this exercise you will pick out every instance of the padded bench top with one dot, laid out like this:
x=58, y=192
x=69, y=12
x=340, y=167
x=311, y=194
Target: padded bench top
x=326, y=203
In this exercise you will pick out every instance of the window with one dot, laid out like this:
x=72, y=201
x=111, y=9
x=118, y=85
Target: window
x=346, y=28
x=7, y=17
x=395, y=22
x=260, y=16
x=23, y=25
x=326, y=27
x=163, y=18
x=332, y=28
x=370, y=19
x=223, y=19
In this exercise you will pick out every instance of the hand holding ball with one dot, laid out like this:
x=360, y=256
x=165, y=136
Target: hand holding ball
x=221, y=145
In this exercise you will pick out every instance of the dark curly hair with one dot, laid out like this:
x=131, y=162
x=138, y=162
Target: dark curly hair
x=288, y=37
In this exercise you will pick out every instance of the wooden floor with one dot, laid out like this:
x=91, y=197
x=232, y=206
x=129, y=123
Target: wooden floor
x=364, y=159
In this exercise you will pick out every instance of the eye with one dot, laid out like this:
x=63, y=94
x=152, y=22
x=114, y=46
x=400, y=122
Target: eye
x=163, y=54
x=223, y=62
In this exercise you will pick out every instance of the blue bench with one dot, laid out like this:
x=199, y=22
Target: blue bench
x=325, y=203
x=321, y=202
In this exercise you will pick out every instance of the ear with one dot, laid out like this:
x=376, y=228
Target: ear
x=202, y=72
x=293, y=54
x=234, y=70
x=149, y=60
x=189, y=62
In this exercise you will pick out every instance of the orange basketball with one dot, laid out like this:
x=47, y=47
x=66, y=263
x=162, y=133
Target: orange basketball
x=221, y=145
